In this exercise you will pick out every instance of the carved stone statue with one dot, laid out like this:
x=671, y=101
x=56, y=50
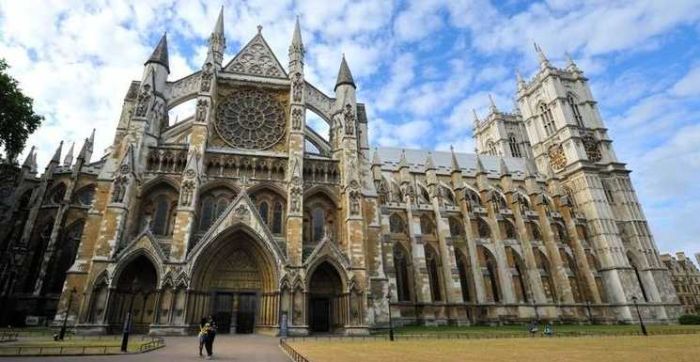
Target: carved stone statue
x=202, y=110
x=207, y=75
x=297, y=87
x=143, y=101
x=349, y=117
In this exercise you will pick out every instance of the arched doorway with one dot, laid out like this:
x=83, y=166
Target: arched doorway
x=327, y=303
x=136, y=294
x=235, y=281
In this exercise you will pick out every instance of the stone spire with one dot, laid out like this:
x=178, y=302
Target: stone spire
x=429, y=164
x=519, y=80
x=476, y=118
x=402, y=161
x=217, y=41
x=492, y=106
x=86, y=150
x=375, y=158
x=28, y=161
x=455, y=164
x=57, y=155
x=68, y=160
x=544, y=62
x=297, y=43
x=160, y=54
x=570, y=64
x=344, y=75
x=504, y=168
x=480, y=169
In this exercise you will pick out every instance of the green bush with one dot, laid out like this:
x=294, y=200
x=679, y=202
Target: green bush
x=689, y=319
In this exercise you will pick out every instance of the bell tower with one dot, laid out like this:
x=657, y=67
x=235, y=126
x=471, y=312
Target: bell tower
x=570, y=141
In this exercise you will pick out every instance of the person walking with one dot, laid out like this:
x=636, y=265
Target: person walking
x=208, y=339
x=202, y=334
x=211, y=335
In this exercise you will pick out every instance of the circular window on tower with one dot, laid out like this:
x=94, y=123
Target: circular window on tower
x=250, y=119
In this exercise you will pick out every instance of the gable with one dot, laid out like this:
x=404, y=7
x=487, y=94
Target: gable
x=256, y=58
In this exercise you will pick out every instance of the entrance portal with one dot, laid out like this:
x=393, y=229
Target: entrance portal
x=236, y=282
x=327, y=303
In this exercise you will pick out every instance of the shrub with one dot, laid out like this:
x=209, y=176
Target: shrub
x=689, y=319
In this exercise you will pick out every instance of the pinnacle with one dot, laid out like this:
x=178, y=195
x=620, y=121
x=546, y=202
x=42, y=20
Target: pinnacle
x=455, y=164
x=57, y=156
x=375, y=158
x=480, y=169
x=504, y=168
x=28, y=160
x=492, y=107
x=219, y=27
x=296, y=38
x=544, y=62
x=68, y=160
x=402, y=161
x=344, y=75
x=429, y=165
x=160, y=53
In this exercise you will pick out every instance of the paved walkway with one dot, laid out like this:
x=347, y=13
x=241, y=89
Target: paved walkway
x=241, y=348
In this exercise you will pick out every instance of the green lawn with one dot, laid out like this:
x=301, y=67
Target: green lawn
x=677, y=348
x=566, y=329
x=88, y=345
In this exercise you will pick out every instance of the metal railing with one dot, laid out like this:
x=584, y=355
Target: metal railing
x=291, y=352
x=155, y=343
x=73, y=350
x=7, y=336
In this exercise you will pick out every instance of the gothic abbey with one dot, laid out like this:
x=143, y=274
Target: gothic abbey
x=244, y=212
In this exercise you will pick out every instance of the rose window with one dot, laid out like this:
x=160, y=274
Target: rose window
x=250, y=119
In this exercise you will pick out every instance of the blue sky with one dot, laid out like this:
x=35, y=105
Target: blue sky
x=421, y=66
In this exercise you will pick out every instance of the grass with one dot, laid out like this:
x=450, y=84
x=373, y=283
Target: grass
x=486, y=331
x=89, y=345
x=672, y=348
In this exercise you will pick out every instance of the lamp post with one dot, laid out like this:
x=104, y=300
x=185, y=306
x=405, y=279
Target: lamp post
x=62, y=333
x=639, y=315
x=127, y=323
x=391, y=322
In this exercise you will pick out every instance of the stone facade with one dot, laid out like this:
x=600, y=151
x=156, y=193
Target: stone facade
x=686, y=280
x=245, y=212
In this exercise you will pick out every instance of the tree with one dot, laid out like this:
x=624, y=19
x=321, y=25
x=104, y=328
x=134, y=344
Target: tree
x=17, y=117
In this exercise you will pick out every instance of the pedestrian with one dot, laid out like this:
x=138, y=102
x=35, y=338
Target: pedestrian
x=208, y=340
x=211, y=334
x=202, y=334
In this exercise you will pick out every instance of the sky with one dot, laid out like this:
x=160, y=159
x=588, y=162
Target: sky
x=420, y=66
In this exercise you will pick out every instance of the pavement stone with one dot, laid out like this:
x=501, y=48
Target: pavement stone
x=239, y=348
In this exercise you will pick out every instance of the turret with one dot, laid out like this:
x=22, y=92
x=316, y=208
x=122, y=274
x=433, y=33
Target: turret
x=150, y=102
x=431, y=176
x=345, y=85
x=376, y=166
x=68, y=160
x=296, y=50
x=404, y=172
x=544, y=62
x=456, y=170
x=217, y=42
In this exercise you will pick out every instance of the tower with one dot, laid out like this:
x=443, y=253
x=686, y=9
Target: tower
x=501, y=133
x=570, y=143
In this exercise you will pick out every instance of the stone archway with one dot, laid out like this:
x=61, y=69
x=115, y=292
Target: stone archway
x=327, y=303
x=135, y=293
x=236, y=281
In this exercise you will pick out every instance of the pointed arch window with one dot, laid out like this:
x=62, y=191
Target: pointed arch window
x=432, y=262
x=161, y=216
x=277, y=218
x=547, y=119
x=318, y=218
x=483, y=229
x=401, y=266
x=426, y=225
x=463, y=277
x=514, y=146
x=456, y=228
x=491, y=148
x=396, y=224
x=574, y=109
x=263, y=209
